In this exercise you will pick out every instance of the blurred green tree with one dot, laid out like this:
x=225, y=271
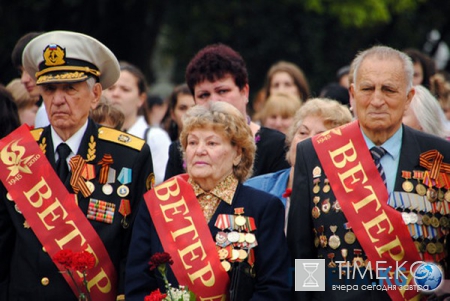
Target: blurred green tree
x=318, y=35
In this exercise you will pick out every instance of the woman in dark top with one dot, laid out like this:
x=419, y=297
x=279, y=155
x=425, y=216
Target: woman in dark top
x=218, y=73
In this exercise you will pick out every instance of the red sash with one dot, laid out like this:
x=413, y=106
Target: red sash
x=363, y=197
x=184, y=234
x=51, y=211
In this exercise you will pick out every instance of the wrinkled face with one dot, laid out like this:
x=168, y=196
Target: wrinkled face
x=282, y=82
x=224, y=89
x=418, y=74
x=184, y=103
x=68, y=104
x=410, y=119
x=209, y=157
x=380, y=95
x=278, y=122
x=124, y=94
x=29, y=83
x=311, y=126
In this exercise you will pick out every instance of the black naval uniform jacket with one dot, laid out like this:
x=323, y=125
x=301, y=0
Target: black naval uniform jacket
x=301, y=223
x=271, y=254
x=24, y=266
x=270, y=154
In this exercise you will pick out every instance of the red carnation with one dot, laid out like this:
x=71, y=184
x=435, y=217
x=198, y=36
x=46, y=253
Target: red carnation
x=83, y=261
x=155, y=296
x=64, y=258
x=159, y=259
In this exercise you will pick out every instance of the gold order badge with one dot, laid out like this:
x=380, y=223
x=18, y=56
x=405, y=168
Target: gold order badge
x=407, y=185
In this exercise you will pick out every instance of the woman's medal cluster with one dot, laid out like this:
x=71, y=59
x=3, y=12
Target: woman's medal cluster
x=235, y=240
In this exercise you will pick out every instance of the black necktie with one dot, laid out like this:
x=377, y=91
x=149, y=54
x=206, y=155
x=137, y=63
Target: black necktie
x=62, y=168
x=377, y=153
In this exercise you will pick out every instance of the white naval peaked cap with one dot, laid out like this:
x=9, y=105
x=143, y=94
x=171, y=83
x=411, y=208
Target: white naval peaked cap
x=66, y=56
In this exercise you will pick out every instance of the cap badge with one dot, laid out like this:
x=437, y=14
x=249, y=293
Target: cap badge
x=54, y=55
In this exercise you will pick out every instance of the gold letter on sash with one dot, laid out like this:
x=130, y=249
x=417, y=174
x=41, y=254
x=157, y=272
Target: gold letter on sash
x=341, y=151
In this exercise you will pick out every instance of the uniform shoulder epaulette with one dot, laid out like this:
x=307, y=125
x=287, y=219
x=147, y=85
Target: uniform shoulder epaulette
x=36, y=133
x=115, y=136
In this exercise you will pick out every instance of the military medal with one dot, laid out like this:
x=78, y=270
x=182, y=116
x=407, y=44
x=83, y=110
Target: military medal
x=88, y=173
x=226, y=265
x=125, y=210
x=326, y=206
x=357, y=260
x=242, y=254
x=420, y=188
x=406, y=219
x=223, y=254
x=434, y=221
x=336, y=206
x=326, y=188
x=221, y=239
x=426, y=220
x=250, y=238
x=349, y=237
x=124, y=178
x=322, y=238
x=233, y=236
x=239, y=220
x=431, y=248
x=317, y=172
x=331, y=264
x=407, y=185
x=344, y=253
x=432, y=195
x=107, y=189
x=334, y=241
x=413, y=218
x=111, y=178
x=444, y=221
x=316, y=210
x=316, y=187
x=316, y=238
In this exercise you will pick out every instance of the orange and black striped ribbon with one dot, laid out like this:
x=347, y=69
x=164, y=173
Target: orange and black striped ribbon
x=432, y=161
x=77, y=164
x=105, y=162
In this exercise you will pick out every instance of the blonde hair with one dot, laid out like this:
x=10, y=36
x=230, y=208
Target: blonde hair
x=20, y=94
x=105, y=112
x=280, y=104
x=332, y=112
x=227, y=121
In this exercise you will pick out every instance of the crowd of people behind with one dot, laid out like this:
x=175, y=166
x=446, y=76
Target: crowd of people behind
x=235, y=161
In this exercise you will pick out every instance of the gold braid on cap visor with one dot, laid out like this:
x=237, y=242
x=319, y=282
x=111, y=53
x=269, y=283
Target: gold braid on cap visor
x=75, y=75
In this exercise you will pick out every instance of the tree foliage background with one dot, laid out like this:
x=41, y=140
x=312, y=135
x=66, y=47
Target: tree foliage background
x=160, y=36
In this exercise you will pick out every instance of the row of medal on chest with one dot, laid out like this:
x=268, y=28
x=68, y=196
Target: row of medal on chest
x=430, y=241
x=434, y=191
x=436, y=217
x=236, y=242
